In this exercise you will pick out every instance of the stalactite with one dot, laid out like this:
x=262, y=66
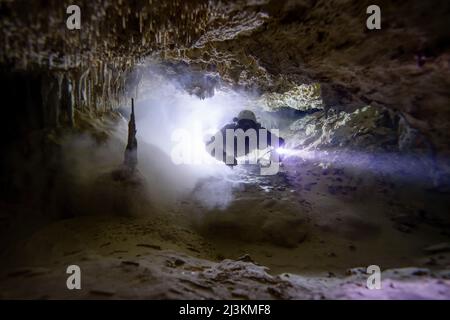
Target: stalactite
x=50, y=100
x=66, y=100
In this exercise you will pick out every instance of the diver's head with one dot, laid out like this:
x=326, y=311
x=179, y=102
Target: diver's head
x=246, y=115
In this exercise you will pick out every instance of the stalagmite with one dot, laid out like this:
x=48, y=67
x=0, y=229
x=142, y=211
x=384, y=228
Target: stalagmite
x=130, y=160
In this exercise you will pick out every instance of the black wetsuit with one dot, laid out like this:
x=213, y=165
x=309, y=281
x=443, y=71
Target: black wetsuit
x=244, y=125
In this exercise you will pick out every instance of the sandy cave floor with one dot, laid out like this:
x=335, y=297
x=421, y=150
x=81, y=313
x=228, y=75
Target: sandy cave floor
x=306, y=235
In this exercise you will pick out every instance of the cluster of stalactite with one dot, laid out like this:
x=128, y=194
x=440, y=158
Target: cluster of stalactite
x=89, y=69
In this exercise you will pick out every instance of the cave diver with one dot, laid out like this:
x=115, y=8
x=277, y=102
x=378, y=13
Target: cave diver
x=253, y=134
